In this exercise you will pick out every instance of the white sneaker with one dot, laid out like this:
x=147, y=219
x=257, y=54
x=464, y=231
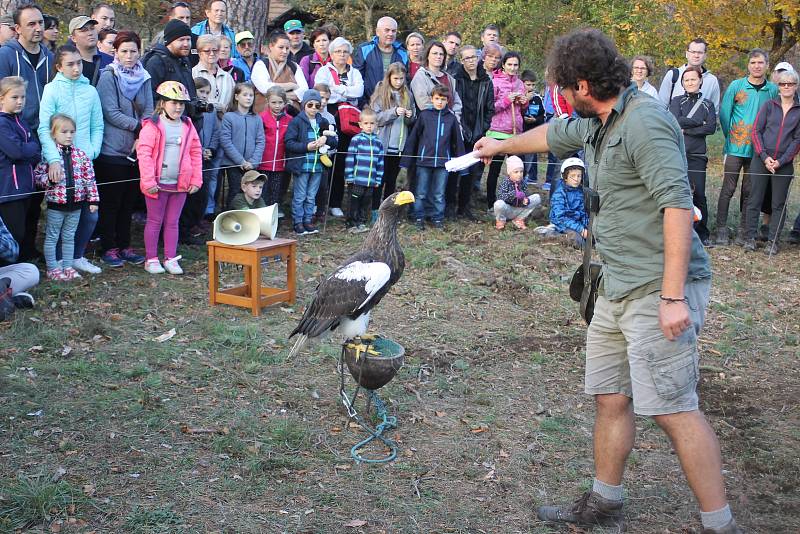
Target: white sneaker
x=337, y=212
x=82, y=264
x=153, y=266
x=172, y=266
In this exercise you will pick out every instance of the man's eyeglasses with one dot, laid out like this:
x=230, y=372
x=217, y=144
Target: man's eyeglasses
x=246, y=44
x=315, y=105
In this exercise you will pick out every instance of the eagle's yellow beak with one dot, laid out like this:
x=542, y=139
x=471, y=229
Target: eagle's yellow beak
x=404, y=197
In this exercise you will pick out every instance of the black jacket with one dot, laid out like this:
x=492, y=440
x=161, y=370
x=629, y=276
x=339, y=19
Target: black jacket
x=435, y=138
x=477, y=103
x=776, y=135
x=702, y=124
x=164, y=66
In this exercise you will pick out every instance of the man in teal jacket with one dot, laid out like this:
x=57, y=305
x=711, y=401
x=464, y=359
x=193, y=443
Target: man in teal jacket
x=740, y=105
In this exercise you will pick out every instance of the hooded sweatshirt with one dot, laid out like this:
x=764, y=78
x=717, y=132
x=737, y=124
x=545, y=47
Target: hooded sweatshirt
x=435, y=138
x=14, y=62
x=79, y=100
x=150, y=150
x=19, y=153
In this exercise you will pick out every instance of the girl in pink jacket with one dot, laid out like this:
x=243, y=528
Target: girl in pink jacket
x=509, y=102
x=171, y=165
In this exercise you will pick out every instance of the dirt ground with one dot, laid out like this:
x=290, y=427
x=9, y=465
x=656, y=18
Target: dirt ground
x=104, y=428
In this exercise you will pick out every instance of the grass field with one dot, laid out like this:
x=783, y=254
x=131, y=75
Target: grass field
x=105, y=429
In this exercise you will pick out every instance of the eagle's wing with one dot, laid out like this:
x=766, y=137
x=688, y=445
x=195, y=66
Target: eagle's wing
x=343, y=293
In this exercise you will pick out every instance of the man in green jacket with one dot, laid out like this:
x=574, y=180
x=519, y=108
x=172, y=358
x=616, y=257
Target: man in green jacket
x=641, y=345
x=737, y=114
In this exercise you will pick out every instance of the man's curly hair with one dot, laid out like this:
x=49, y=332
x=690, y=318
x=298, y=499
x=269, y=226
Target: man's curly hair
x=588, y=54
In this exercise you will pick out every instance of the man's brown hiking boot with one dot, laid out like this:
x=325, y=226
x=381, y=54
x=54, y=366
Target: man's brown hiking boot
x=730, y=528
x=588, y=511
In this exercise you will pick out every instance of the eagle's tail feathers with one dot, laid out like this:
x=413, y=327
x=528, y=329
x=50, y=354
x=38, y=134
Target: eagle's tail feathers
x=298, y=345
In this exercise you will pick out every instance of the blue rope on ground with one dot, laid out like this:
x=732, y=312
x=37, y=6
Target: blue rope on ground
x=388, y=422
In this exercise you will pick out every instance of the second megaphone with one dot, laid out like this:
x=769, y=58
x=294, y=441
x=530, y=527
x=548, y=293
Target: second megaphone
x=241, y=227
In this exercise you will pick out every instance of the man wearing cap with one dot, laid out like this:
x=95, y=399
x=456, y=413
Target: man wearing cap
x=26, y=57
x=298, y=48
x=372, y=58
x=216, y=15
x=83, y=32
x=250, y=196
x=7, y=31
x=245, y=45
x=168, y=61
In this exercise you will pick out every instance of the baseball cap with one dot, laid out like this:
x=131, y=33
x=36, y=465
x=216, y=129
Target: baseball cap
x=784, y=65
x=241, y=36
x=252, y=176
x=79, y=22
x=293, y=25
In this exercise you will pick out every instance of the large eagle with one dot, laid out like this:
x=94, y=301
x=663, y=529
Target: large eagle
x=344, y=299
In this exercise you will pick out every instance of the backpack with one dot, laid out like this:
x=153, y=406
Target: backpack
x=349, y=115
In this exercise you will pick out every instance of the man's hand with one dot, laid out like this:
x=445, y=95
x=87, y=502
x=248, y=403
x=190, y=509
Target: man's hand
x=673, y=318
x=486, y=148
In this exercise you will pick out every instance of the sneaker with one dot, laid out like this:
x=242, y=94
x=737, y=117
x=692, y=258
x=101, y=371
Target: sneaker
x=750, y=245
x=740, y=240
x=82, y=264
x=499, y=224
x=310, y=228
x=420, y=224
x=337, y=212
x=299, y=229
x=353, y=230
x=794, y=237
x=722, y=239
x=112, y=259
x=438, y=225
x=71, y=274
x=23, y=301
x=730, y=528
x=130, y=255
x=153, y=266
x=771, y=248
x=56, y=274
x=763, y=233
x=588, y=511
x=519, y=224
x=363, y=228
x=172, y=266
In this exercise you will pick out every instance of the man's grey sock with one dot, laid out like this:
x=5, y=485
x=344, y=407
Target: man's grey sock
x=716, y=519
x=607, y=491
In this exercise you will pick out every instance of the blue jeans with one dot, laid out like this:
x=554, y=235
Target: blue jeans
x=304, y=196
x=431, y=184
x=83, y=234
x=59, y=236
x=552, y=168
x=531, y=167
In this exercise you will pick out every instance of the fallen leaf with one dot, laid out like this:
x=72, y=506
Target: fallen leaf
x=36, y=348
x=166, y=336
x=440, y=414
x=89, y=489
x=342, y=467
x=115, y=317
x=66, y=351
x=355, y=523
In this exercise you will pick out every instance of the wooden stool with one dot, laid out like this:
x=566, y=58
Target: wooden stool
x=251, y=295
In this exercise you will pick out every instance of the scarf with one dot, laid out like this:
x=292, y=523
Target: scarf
x=280, y=73
x=130, y=80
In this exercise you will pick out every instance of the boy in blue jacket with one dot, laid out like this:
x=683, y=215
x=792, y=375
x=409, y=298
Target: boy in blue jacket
x=567, y=211
x=303, y=140
x=363, y=171
x=435, y=138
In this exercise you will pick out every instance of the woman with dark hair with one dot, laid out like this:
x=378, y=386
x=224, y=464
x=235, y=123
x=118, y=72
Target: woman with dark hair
x=510, y=99
x=105, y=41
x=641, y=69
x=698, y=119
x=431, y=74
x=310, y=64
x=127, y=98
x=277, y=69
x=51, y=32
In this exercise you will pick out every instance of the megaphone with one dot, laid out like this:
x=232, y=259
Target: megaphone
x=242, y=227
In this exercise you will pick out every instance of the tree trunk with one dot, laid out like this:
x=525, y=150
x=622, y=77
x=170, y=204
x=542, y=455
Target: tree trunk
x=249, y=15
x=7, y=7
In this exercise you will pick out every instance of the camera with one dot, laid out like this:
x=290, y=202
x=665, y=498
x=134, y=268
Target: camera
x=201, y=106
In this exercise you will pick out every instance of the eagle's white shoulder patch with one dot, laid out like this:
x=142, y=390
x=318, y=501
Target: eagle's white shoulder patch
x=374, y=275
